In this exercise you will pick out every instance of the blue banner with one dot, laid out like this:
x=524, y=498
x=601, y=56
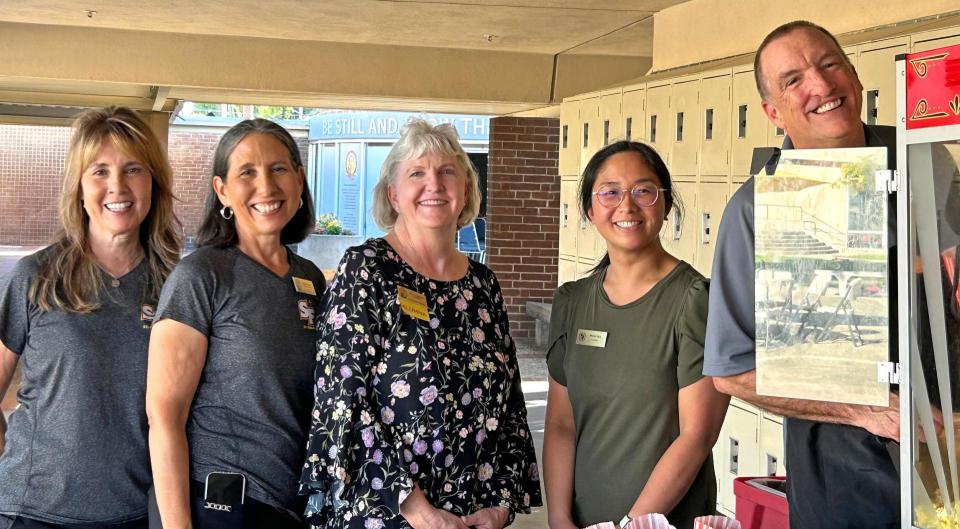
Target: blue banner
x=348, y=206
x=387, y=125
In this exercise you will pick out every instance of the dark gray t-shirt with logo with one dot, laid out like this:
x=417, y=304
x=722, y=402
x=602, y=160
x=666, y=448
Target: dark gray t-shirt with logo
x=252, y=406
x=76, y=447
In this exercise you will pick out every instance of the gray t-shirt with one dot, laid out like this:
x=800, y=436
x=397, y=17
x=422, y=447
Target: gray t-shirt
x=252, y=406
x=77, y=444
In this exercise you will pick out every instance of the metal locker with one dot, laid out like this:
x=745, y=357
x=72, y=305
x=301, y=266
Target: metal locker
x=583, y=267
x=713, y=199
x=772, y=462
x=599, y=246
x=566, y=270
x=633, y=111
x=935, y=39
x=569, y=219
x=587, y=239
x=679, y=236
x=877, y=70
x=737, y=453
x=658, y=120
x=591, y=133
x=569, y=157
x=715, y=114
x=749, y=126
x=611, y=118
x=684, y=127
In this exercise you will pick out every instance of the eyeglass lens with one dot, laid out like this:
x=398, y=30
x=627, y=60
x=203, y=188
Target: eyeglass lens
x=643, y=195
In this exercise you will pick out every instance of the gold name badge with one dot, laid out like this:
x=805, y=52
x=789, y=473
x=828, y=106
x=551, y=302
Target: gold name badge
x=304, y=286
x=413, y=303
x=591, y=338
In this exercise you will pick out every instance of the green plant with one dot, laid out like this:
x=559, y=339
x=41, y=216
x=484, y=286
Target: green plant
x=329, y=224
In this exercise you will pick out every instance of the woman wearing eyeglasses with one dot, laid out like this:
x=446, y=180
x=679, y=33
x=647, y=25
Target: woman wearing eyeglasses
x=630, y=417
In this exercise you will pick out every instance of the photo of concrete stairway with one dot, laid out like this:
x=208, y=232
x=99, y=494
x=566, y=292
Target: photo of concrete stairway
x=791, y=242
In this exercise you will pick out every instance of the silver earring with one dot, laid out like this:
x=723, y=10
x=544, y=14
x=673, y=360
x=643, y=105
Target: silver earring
x=301, y=203
x=226, y=212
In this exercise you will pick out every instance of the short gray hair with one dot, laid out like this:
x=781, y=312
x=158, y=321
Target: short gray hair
x=418, y=139
x=782, y=31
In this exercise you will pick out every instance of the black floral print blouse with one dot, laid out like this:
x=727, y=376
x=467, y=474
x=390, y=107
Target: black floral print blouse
x=402, y=400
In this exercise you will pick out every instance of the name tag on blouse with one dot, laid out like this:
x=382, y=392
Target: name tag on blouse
x=591, y=338
x=413, y=303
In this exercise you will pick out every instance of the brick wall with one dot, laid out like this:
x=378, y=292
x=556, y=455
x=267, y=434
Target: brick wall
x=523, y=211
x=31, y=162
x=191, y=158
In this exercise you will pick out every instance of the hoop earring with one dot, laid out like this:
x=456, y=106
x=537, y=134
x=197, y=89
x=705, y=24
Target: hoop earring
x=301, y=203
x=226, y=212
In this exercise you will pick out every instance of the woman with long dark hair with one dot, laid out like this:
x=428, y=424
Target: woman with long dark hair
x=229, y=384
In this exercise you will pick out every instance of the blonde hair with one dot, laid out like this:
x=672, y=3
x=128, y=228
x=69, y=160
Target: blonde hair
x=418, y=139
x=69, y=278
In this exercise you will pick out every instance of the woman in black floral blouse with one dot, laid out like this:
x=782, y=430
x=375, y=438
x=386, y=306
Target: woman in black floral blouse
x=419, y=418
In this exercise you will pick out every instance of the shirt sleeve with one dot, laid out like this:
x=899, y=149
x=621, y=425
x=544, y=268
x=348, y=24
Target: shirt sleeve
x=354, y=465
x=691, y=328
x=730, y=348
x=557, y=350
x=516, y=477
x=188, y=295
x=15, y=309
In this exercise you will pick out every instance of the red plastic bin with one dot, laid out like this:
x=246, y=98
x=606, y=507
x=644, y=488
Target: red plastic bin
x=761, y=504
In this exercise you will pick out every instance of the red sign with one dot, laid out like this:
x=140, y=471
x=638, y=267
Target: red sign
x=933, y=88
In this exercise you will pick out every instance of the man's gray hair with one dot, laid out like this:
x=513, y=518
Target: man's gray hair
x=781, y=31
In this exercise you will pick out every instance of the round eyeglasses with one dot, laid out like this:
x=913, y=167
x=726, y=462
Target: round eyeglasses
x=644, y=194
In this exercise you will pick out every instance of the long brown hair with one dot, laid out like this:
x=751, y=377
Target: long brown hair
x=69, y=278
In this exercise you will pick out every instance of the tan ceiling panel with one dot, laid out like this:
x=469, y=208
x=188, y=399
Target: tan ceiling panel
x=634, y=40
x=482, y=56
x=56, y=86
x=528, y=26
x=234, y=63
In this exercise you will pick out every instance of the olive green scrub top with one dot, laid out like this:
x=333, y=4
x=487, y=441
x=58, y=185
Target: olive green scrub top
x=623, y=388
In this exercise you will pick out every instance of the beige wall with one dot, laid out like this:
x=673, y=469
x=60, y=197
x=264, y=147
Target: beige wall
x=577, y=74
x=703, y=30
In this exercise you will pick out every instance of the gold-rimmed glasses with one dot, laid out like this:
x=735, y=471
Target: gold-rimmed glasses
x=643, y=194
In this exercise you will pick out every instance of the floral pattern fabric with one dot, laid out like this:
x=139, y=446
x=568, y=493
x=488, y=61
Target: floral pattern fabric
x=403, y=401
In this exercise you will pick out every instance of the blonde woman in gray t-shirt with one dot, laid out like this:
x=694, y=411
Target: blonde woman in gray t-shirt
x=76, y=315
x=630, y=418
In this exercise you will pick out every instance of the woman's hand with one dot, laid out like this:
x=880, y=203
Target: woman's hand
x=489, y=518
x=418, y=512
x=441, y=519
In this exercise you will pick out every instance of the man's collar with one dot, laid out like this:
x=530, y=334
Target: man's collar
x=773, y=157
x=871, y=138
